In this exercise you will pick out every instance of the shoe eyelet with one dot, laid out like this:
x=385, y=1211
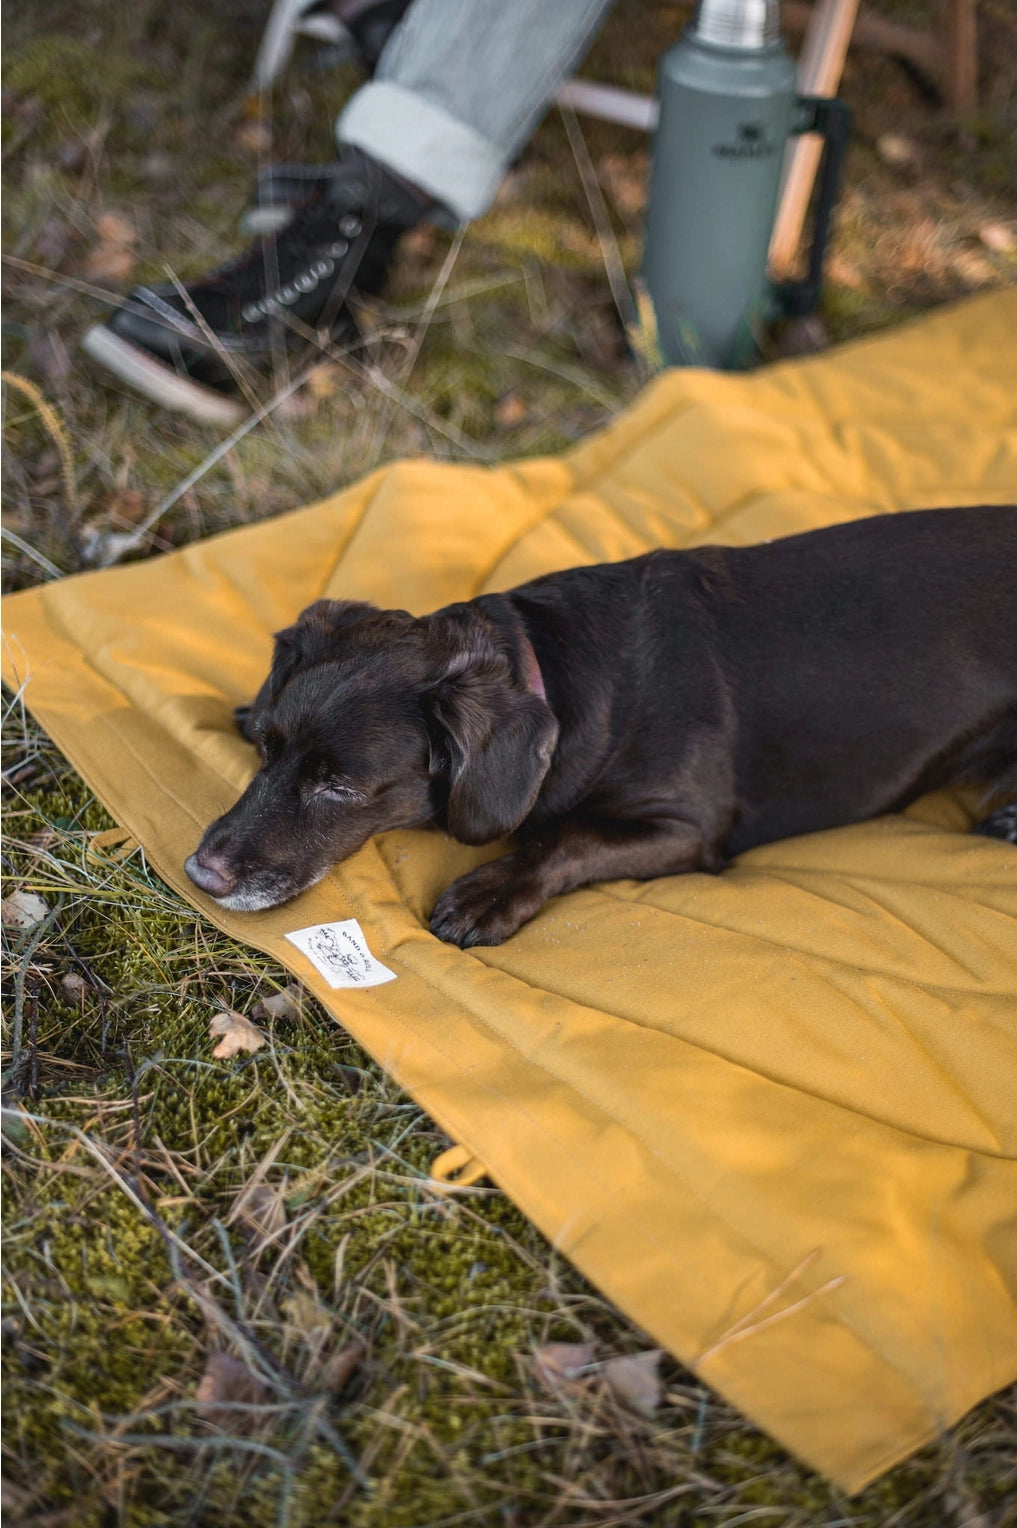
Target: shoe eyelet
x=350, y=225
x=338, y=249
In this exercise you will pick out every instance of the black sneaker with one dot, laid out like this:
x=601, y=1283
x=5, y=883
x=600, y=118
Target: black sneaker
x=281, y=190
x=181, y=346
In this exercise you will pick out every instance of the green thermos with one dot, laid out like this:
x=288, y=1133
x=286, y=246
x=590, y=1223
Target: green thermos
x=728, y=105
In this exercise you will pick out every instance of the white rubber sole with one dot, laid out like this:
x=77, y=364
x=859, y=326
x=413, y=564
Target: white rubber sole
x=150, y=377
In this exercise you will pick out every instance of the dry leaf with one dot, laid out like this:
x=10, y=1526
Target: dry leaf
x=844, y=272
x=109, y=262
x=23, y=909
x=324, y=381
x=226, y=1385
x=253, y=138
x=418, y=243
x=238, y=1034
x=112, y=258
x=285, y=1005
x=342, y=1366
x=116, y=228
x=634, y=1378
x=624, y=178
x=974, y=268
x=558, y=1362
x=998, y=237
x=895, y=149
x=126, y=506
x=262, y=1208
x=510, y=411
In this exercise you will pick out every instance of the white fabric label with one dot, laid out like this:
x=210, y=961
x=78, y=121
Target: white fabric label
x=339, y=952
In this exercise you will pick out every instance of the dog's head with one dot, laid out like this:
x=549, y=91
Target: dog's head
x=370, y=720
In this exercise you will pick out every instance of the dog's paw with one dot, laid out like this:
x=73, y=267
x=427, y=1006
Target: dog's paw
x=485, y=907
x=242, y=718
x=1002, y=823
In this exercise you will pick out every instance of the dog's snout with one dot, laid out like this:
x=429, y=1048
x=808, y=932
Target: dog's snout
x=209, y=872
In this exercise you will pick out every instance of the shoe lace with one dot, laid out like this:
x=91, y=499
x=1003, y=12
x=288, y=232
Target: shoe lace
x=322, y=229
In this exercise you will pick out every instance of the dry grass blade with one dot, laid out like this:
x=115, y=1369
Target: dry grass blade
x=613, y=265
x=55, y=427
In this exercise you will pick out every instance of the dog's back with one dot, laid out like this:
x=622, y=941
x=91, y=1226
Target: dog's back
x=847, y=651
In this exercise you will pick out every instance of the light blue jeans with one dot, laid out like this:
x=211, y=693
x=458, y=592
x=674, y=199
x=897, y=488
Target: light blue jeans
x=460, y=87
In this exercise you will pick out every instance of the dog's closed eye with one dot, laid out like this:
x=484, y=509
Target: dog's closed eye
x=333, y=790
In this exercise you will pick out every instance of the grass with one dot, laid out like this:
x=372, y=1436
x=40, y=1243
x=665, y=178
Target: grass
x=162, y=1206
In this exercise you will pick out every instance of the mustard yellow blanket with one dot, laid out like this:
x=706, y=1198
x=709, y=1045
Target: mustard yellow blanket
x=773, y=1115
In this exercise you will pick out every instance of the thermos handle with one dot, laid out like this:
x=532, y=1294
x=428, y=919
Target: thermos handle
x=830, y=118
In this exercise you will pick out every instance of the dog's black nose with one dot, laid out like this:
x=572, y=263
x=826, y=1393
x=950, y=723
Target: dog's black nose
x=208, y=871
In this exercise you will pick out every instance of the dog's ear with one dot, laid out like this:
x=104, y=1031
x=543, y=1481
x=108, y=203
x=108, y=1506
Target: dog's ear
x=497, y=736
x=310, y=640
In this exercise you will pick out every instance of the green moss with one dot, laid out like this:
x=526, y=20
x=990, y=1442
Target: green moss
x=71, y=76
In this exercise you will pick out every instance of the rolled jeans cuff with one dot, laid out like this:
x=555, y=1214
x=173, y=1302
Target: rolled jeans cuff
x=425, y=145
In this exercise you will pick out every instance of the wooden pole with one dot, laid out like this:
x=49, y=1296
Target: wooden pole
x=819, y=70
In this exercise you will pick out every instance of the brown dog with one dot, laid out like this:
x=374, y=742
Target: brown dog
x=638, y=718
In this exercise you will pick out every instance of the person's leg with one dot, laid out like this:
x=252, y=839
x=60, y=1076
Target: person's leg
x=460, y=87
x=463, y=74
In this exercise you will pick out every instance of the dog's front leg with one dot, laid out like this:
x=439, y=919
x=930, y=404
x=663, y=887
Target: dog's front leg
x=491, y=903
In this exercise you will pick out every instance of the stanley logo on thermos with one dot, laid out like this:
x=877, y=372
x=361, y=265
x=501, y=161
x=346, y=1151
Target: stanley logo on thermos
x=751, y=142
